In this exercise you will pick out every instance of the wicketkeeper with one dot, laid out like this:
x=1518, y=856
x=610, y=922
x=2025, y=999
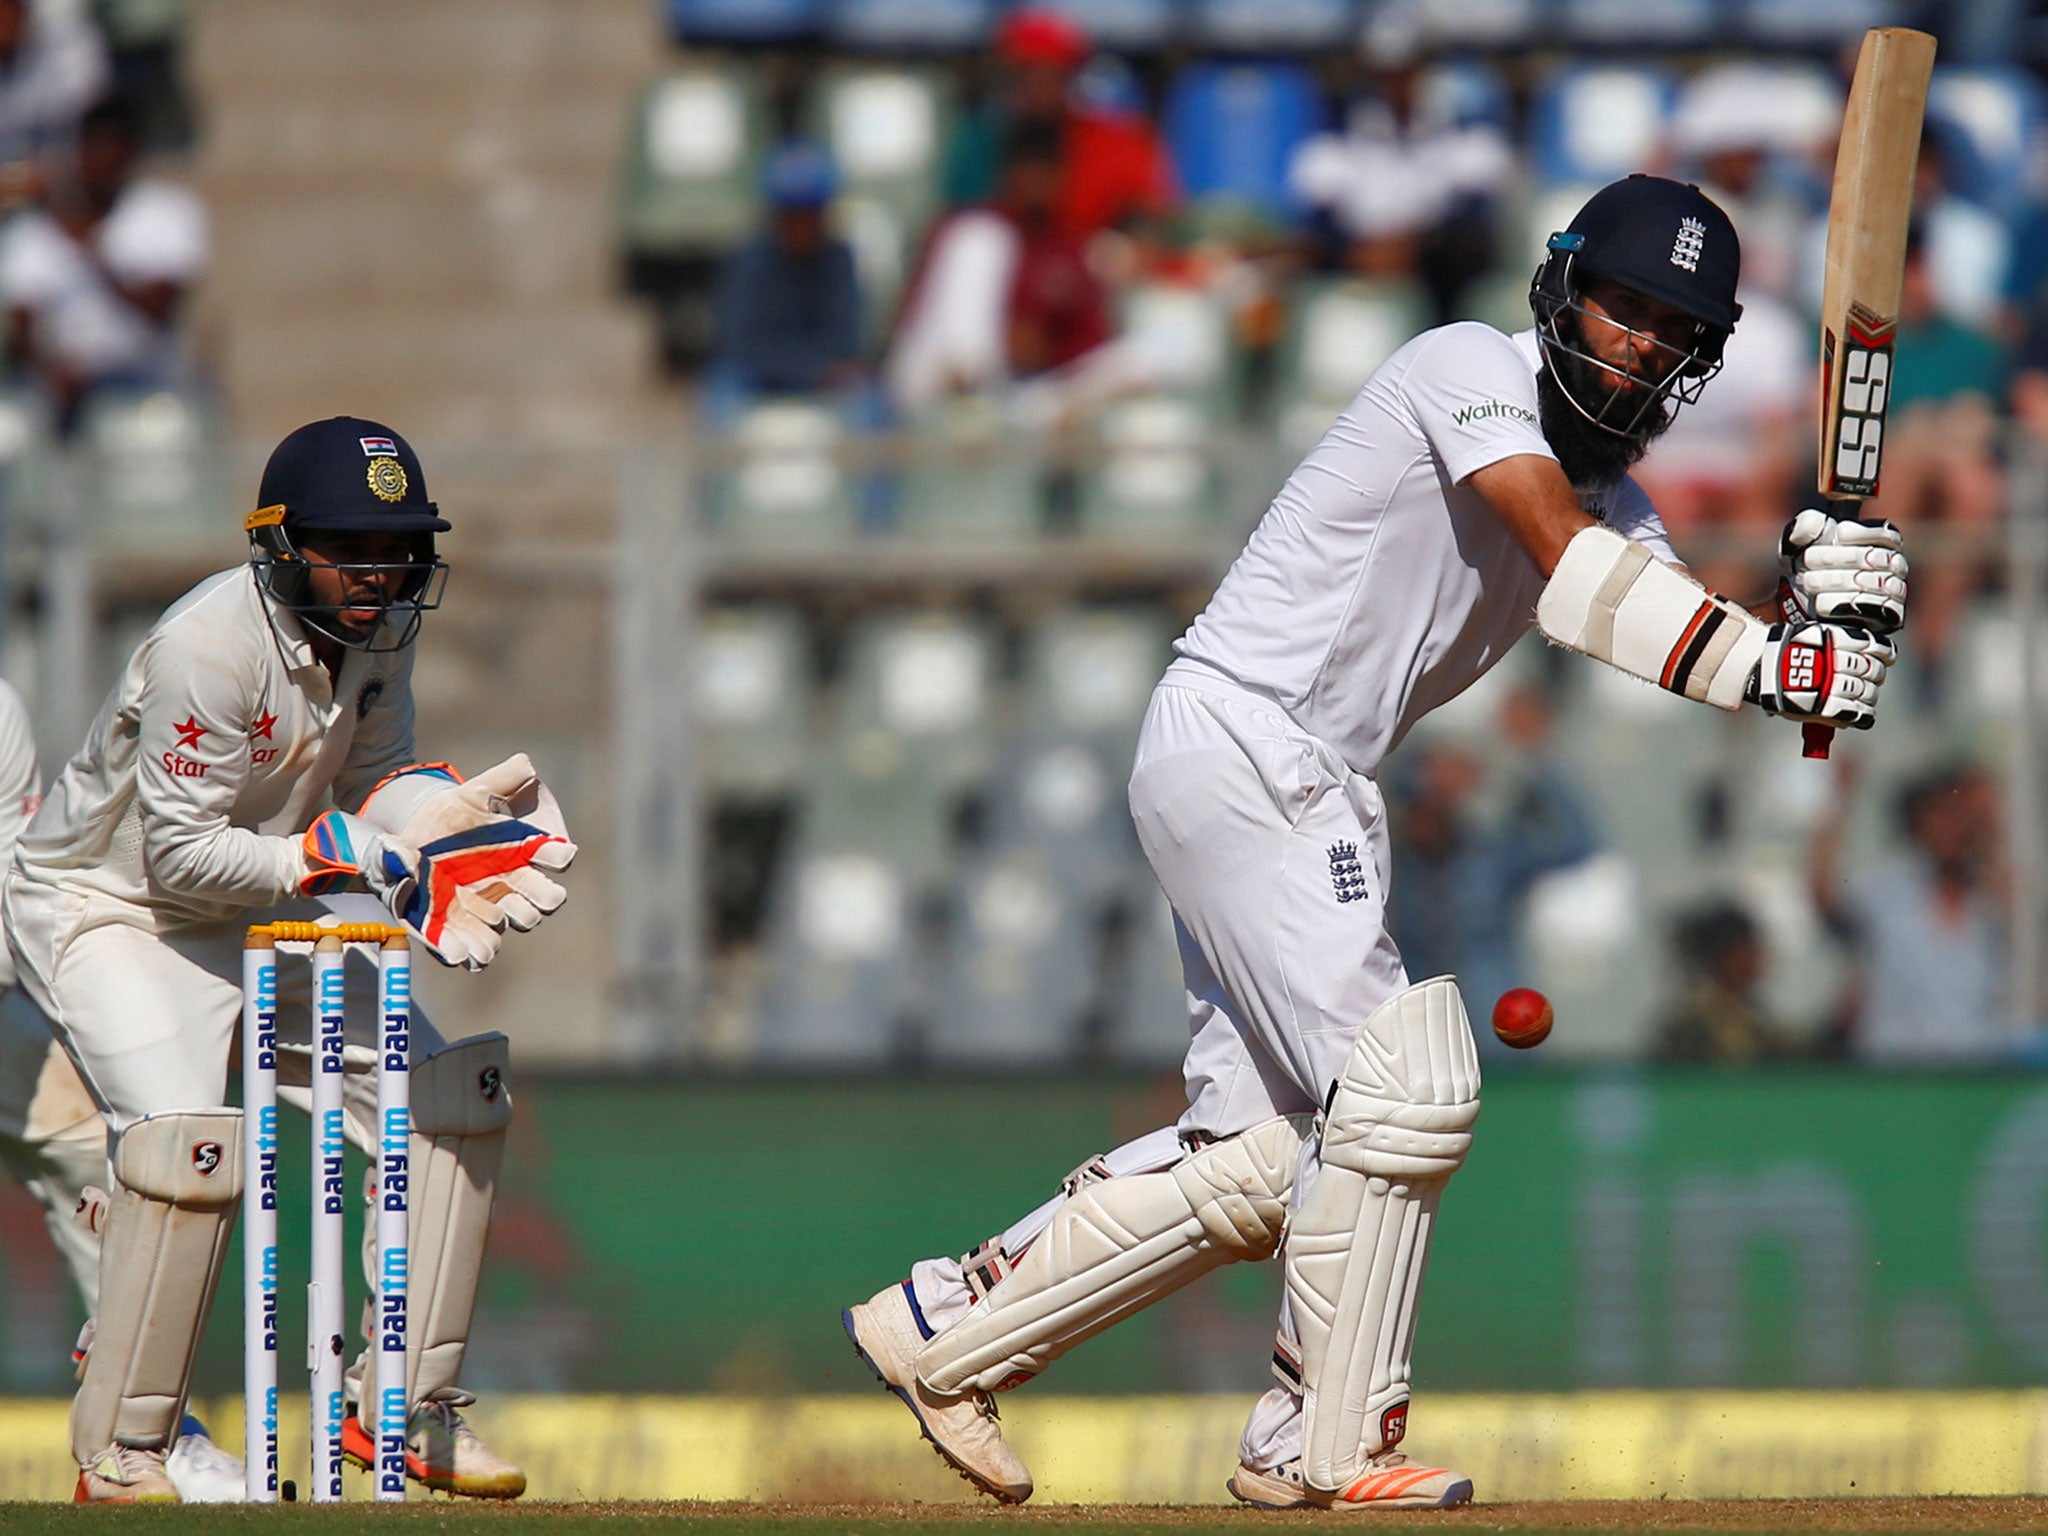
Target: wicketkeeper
x=256, y=753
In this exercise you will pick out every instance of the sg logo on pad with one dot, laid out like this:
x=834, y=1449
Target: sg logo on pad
x=206, y=1156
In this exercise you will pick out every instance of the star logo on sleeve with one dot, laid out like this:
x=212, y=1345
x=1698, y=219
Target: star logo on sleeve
x=190, y=731
x=259, y=728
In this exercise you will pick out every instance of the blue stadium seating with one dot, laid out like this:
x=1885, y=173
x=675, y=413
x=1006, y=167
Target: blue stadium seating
x=743, y=21
x=1634, y=24
x=1274, y=24
x=910, y=26
x=1810, y=23
x=1233, y=127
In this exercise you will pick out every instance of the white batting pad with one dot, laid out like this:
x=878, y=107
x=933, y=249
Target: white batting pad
x=1612, y=599
x=1116, y=1246
x=179, y=1181
x=1397, y=1127
x=461, y=1104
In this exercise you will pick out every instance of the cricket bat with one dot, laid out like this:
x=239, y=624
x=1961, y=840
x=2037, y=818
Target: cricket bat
x=1866, y=263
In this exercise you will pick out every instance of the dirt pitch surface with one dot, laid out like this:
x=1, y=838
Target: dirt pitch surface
x=1790, y=1516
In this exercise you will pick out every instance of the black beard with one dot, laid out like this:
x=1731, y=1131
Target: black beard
x=1593, y=458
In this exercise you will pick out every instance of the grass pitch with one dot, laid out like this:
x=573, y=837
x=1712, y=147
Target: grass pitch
x=1793, y=1517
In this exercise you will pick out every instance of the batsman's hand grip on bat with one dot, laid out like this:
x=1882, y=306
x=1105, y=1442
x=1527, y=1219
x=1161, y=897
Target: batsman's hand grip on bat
x=1843, y=571
x=1822, y=674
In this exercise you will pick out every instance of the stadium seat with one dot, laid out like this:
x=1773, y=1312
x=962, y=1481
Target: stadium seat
x=1019, y=970
x=1063, y=799
x=697, y=137
x=1993, y=119
x=1595, y=122
x=786, y=479
x=1088, y=675
x=886, y=126
x=1463, y=92
x=1186, y=343
x=1634, y=24
x=1233, y=127
x=1272, y=25
x=753, y=701
x=842, y=965
x=700, y=22
x=909, y=26
x=156, y=475
x=1338, y=332
x=1810, y=23
x=1155, y=480
x=972, y=476
x=925, y=682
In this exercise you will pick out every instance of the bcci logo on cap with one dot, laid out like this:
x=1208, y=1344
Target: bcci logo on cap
x=1690, y=245
x=206, y=1156
x=387, y=479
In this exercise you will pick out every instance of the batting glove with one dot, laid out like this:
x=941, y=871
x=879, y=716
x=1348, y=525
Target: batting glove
x=1822, y=674
x=1842, y=572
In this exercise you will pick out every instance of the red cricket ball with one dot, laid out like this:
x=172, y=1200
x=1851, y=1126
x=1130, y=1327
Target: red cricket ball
x=1522, y=1018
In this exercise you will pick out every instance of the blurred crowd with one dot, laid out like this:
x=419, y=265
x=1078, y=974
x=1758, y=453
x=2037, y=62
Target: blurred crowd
x=1042, y=275
x=97, y=255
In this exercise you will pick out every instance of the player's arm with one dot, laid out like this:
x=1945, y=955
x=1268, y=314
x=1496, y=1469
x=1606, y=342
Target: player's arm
x=1611, y=598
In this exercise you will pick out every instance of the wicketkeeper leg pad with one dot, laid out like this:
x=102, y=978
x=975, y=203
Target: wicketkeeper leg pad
x=1116, y=1246
x=461, y=1104
x=179, y=1183
x=1397, y=1127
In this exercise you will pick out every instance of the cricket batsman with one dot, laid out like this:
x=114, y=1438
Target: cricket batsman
x=257, y=753
x=1476, y=486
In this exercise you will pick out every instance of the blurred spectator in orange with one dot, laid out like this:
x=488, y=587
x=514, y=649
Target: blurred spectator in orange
x=1002, y=292
x=93, y=276
x=1405, y=191
x=1941, y=462
x=1113, y=167
x=53, y=65
x=1718, y=1017
x=1927, y=923
x=788, y=305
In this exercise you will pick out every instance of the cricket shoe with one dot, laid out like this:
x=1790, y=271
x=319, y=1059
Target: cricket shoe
x=1390, y=1481
x=963, y=1429
x=201, y=1471
x=442, y=1452
x=125, y=1474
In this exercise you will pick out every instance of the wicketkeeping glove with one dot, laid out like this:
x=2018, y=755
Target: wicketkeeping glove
x=346, y=853
x=1822, y=674
x=509, y=808
x=1842, y=572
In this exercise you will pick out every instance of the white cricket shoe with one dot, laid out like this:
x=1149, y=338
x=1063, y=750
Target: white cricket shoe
x=963, y=1429
x=1390, y=1481
x=441, y=1451
x=202, y=1472
x=125, y=1474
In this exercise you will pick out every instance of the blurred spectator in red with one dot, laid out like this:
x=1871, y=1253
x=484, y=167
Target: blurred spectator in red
x=1927, y=923
x=1941, y=462
x=1406, y=191
x=53, y=65
x=788, y=305
x=93, y=276
x=1003, y=292
x=1719, y=1017
x=1113, y=167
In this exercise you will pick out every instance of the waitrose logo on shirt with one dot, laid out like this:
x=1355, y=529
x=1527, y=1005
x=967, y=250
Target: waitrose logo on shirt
x=1488, y=410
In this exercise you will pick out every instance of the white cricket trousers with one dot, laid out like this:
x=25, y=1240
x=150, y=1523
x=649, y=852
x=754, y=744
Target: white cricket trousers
x=1274, y=855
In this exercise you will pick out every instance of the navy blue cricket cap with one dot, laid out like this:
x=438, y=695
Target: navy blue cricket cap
x=1664, y=238
x=349, y=475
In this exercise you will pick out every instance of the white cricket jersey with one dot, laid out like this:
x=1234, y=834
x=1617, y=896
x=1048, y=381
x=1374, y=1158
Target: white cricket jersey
x=221, y=742
x=1379, y=584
